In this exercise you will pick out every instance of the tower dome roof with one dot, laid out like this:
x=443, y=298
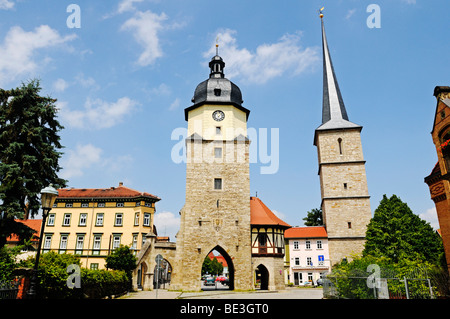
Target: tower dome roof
x=217, y=89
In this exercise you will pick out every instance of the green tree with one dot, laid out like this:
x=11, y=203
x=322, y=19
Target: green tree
x=122, y=259
x=314, y=217
x=395, y=232
x=207, y=266
x=217, y=267
x=29, y=154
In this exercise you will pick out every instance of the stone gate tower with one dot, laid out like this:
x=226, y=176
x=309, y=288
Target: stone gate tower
x=345, y=197
x=216, y=213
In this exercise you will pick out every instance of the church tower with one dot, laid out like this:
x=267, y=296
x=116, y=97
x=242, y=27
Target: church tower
x=345, y=197
x=216, y=213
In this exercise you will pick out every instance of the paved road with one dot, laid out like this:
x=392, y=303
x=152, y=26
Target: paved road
x=288, y=293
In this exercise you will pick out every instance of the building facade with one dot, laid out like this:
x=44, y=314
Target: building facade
x=307, y=256
x=216, y=213
x=91, y=223
x=345, y=196
x=438, y=180
x=219, y=215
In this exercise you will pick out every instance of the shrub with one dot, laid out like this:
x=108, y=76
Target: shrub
x=95, y=284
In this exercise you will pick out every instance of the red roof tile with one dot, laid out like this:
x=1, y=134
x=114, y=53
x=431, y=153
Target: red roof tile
x=306, y=232
x=33, y=224
x=260, y=214
x=112, y=192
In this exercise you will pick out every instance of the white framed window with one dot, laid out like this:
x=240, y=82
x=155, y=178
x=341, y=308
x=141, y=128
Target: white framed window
x=84, y=205
x=83, y=219
x=63, y=244
x=135, y=239
x=97, y=244
x=296, y=245
x=297, y=261
x=69, y=205
x=51, y=220
x=310, y=276
x=308, y=244
x=119, y=204
x=136, y=219
x=66, y=220
x=99, y=219
x=218, y=130
x=116, y=242
x=308, y=261
x=101, y=205
x=79, y=245
x=319, y=244
x=47, y=243
x=146, y=219
x=119, y=219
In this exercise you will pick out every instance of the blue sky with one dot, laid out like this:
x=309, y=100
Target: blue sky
x=124, y=77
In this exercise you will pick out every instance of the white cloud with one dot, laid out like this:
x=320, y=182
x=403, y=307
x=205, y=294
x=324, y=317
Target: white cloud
x=167, y=224
x=350, y=13
x=175, y=104
x=6, y=5
x=19, y=48
x=280, y=215
x=83, y=157
x=145, y=27
x=127, y=5
x=431, y=216
x=97, y=114
x=74, y=162
x=60, y=85
x=409, y=1
x=267, y=62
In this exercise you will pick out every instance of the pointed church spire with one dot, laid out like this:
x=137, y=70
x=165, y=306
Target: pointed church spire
x=334, y=114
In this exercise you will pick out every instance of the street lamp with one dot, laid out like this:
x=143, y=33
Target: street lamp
x=48, y=197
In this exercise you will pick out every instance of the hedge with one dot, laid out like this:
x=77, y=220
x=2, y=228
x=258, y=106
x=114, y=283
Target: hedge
x=94, y=284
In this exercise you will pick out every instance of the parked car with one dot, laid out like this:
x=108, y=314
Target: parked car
x=222, y=279
x=319, y=282
x=209, y=281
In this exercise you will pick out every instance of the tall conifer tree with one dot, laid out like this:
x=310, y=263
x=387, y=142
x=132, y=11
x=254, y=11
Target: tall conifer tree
x=29, y=154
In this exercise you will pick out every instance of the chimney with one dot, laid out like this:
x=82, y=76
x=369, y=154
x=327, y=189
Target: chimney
x=120, y=184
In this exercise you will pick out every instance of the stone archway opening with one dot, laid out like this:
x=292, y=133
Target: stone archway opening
x=215, y=277
x=141, y=276
x=162, y=276
x=262, y=277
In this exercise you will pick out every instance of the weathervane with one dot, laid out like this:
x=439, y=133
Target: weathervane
x=320, y=12
x=217, y=45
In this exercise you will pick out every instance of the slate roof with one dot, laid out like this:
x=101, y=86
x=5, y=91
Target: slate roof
x=334, y=113
x=217, y=89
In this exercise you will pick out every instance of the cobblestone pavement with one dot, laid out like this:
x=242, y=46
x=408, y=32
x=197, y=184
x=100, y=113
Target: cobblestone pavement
x=288, y=293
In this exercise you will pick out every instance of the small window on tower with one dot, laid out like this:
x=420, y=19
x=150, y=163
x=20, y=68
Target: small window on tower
x=349, y=225
x=340, y=146
x=217, y=92
x=217, y=183
x=345, y=186
x=218, y=152
x=218, y=130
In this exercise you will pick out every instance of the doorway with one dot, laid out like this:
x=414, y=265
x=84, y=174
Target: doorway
x=262, y=277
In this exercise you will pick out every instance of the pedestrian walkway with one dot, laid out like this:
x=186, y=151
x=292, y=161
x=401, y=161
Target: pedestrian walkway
x=288, y=293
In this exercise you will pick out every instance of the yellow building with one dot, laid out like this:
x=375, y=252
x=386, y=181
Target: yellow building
x=91, y=223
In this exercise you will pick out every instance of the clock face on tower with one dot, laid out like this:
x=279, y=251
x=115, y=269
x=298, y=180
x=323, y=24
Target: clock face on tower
x=218, y=115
